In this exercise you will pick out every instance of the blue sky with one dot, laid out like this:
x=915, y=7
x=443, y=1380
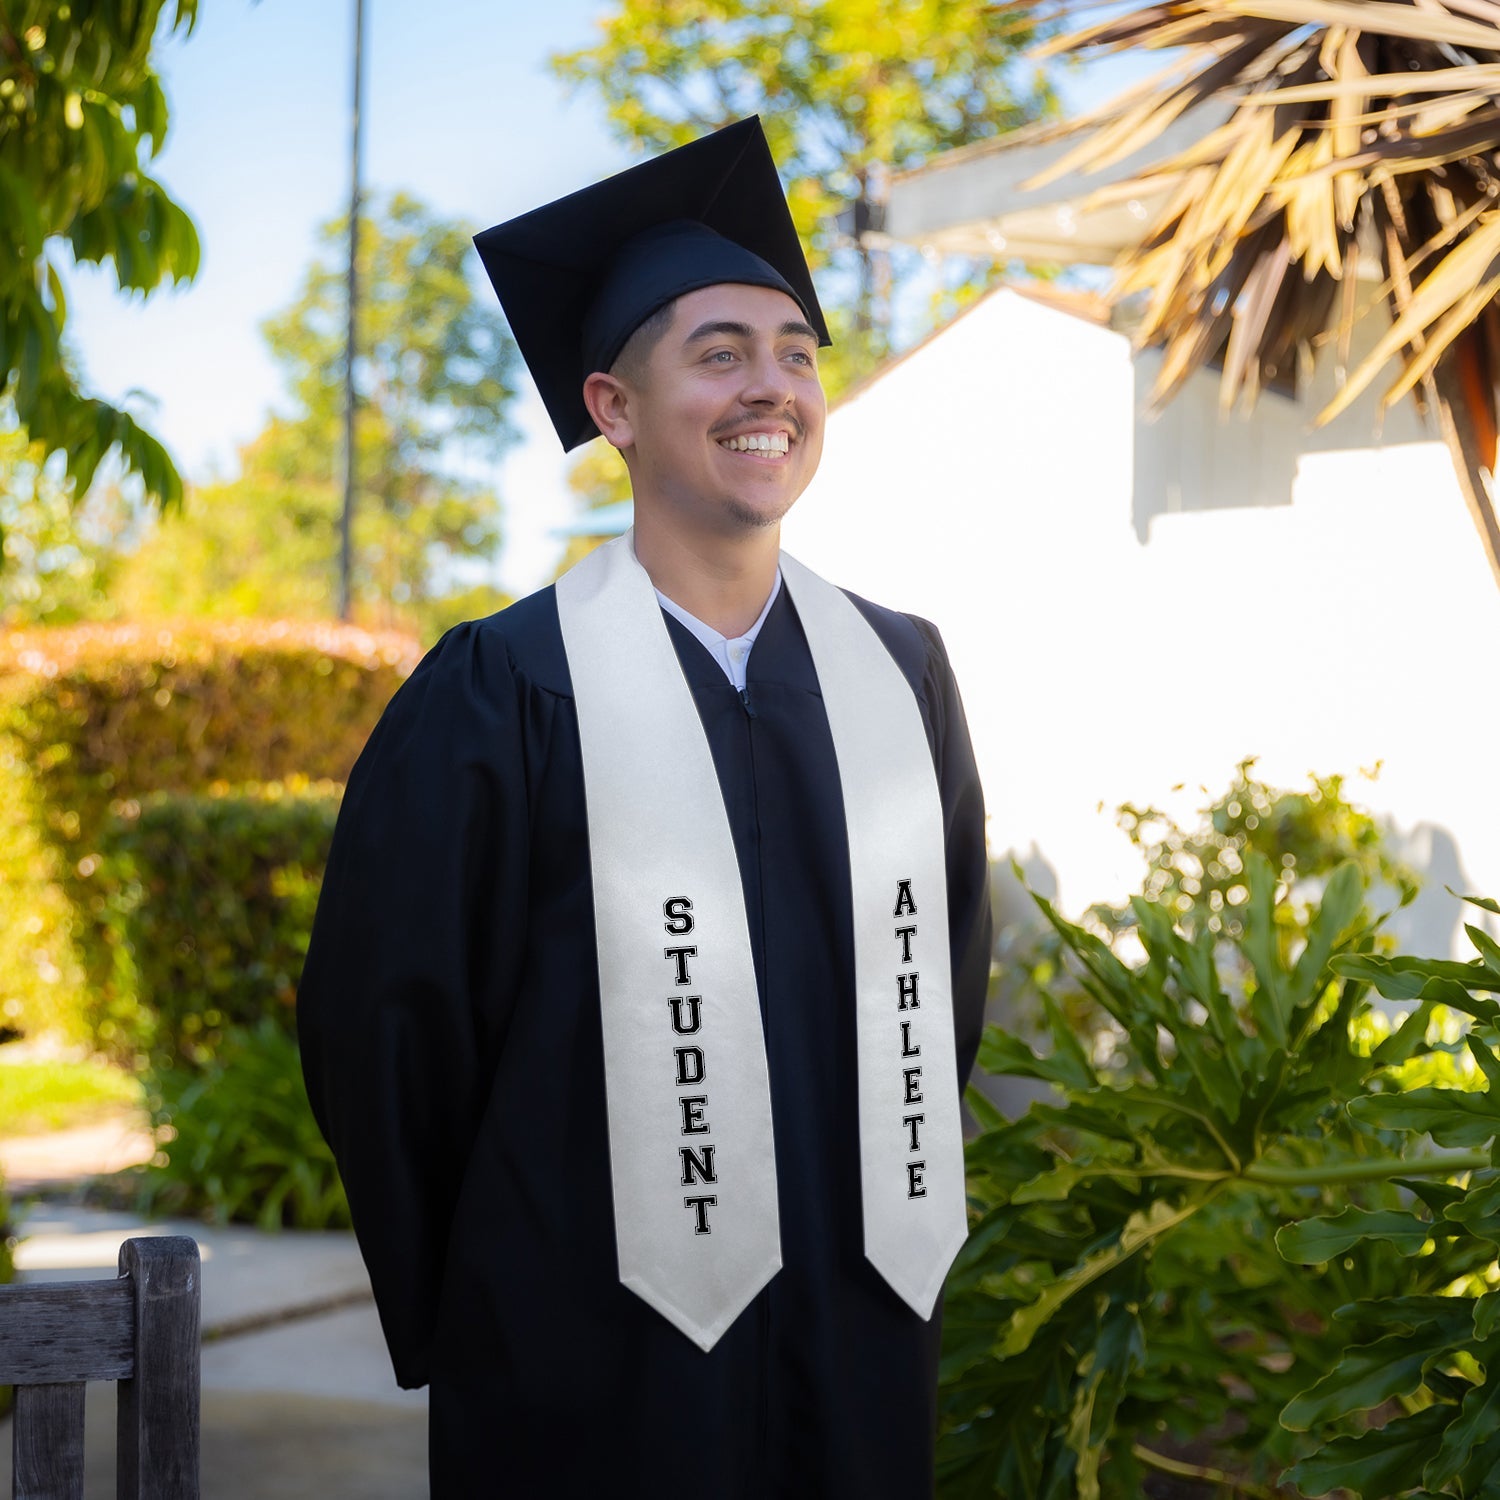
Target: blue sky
x=460, y=110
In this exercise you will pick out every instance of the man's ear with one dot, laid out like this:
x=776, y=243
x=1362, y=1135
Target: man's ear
x=608, y=400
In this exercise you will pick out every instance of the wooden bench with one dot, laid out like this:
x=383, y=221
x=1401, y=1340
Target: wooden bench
x=141, y=1330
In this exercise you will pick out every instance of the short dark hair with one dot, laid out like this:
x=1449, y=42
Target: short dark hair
x=630, y=362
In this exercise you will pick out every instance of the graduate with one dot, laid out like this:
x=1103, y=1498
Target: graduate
x=651, y=956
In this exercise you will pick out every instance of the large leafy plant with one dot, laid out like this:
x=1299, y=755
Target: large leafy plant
x=1434, y=1359
x=237, y=1139
x=1227, y=1251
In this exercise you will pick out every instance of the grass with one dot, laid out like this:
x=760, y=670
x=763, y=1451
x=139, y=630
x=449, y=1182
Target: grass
x=38, y=1096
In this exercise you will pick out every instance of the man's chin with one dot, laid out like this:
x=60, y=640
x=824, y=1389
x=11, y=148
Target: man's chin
x=742, y=517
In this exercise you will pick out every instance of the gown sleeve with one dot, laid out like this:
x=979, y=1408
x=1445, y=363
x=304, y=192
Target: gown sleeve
x=970, y=923
x=405, y=977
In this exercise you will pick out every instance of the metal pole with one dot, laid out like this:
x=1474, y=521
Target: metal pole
x=346, y=520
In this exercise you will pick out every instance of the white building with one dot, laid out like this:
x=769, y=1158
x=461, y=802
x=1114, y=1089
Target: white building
x=1134, y=607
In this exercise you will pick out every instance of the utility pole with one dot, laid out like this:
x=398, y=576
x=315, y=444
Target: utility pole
x=346, y=520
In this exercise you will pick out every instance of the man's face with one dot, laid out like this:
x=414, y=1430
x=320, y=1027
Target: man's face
x=727, y=412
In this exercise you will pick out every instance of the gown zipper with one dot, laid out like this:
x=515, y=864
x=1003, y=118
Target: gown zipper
x=764, y=1413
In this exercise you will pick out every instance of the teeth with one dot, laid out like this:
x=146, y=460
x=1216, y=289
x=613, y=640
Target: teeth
x=756, y=442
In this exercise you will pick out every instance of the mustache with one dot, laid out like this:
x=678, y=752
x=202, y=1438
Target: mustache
x=730, y=429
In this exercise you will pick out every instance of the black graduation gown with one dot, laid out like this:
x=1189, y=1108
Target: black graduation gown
x=449, y=1018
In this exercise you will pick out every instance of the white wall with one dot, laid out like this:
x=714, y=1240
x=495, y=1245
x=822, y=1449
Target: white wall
x=1132, y=607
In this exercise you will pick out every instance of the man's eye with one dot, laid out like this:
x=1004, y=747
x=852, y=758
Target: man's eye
x=721, y=356
x=801, y=355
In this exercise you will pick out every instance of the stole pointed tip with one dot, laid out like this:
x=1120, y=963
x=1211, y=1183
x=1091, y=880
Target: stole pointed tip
x=920, y=1291
x=705, y=1326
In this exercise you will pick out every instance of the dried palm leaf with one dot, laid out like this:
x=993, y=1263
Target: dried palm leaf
x=1373, y=120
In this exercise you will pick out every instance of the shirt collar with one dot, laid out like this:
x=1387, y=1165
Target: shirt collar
x=721, y=647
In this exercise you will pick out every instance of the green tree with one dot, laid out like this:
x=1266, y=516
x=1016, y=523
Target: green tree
x=848, y=90
x=80, y=108
x=436, y=379
x=59, y=556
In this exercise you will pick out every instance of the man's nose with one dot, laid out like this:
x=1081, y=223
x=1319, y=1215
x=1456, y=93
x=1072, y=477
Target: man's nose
x=767, y=383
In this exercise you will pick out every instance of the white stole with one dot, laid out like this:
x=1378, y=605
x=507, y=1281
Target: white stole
x=690, y=1131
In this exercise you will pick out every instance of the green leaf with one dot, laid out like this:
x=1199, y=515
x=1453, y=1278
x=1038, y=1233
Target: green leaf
x=1007, y=1056
x=1436, y=1195
x=1343, y=897
x=1313, y=1241
x=1376, y=1464
x=1478, y=1210
x=1405, y=978
x=1488, y=903
x=1365, y=1376
x=1487, y=1315
x=1067, y=1052
x=1404, y=1041
x=1080, y=1423
x=1451, y=1116
x=1484, y=1055
x=1411, y=1312
x=1480, y=1477
x=1053, y=1186
x=1477, y=1422
x=1271, y=1002
x=1140, y=1230
x=983, y=1109
x=1489, y=949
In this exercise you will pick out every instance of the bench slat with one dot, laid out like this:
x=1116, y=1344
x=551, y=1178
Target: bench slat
x=158, y=1432
x=47, y=1442
x=67, y=1330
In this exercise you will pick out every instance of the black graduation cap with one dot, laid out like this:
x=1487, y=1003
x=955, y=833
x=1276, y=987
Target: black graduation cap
x=577, y=277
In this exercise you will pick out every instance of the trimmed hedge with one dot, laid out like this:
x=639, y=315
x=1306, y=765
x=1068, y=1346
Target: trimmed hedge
x=93, y=719
x=209, y=905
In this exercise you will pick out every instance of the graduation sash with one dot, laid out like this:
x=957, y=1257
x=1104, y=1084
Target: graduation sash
x=691, y=1141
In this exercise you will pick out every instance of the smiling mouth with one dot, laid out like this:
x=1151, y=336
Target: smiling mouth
x=771, y=444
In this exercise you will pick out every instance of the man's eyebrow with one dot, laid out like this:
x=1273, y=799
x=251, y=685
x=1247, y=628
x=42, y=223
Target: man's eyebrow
x=716, y=330
x=792, y=329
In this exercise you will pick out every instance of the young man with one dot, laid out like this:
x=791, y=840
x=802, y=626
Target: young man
x=648, y=966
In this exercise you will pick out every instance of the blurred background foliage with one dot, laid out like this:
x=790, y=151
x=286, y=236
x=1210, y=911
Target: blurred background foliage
x=82, y=114
x=437, y=381
x=1196, y=873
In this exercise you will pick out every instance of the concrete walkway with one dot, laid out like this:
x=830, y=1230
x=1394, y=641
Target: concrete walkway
x=31, y=1162
x=298, y=1396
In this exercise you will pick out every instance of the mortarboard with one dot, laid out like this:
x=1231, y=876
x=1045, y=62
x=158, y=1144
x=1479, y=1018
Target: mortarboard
x=578, y=276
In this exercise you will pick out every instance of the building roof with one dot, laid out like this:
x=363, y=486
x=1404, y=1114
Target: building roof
x=973, y=200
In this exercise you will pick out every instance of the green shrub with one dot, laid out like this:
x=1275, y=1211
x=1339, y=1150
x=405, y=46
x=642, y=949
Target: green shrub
x=209, y=908
x=95, y=718
x=238, y=1140
x=1127, y=1307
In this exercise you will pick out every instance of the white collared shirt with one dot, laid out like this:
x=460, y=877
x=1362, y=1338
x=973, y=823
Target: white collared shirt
x=732, y=655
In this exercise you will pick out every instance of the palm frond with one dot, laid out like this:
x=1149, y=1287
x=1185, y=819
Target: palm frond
x=1337, y=105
